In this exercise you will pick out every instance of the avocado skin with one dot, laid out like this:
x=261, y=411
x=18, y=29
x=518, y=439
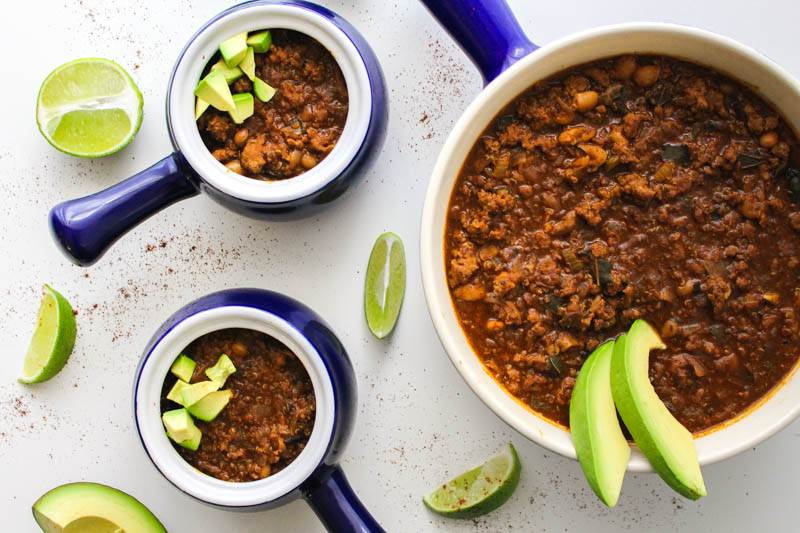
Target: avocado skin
x=668, y=446
x=601, y=447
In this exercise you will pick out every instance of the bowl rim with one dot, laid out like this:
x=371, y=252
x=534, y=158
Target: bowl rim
x=252, y=16
x=154, y=369
x=716, y=444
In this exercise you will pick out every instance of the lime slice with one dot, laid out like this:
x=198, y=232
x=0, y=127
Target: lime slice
x=53, y=339
x=480, y=490
x=89, y=108
x=385, y=284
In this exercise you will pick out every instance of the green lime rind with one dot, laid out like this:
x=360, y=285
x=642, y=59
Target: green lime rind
x=76, y=118
x=385, y=284
x=53, y=340
x=480, y=490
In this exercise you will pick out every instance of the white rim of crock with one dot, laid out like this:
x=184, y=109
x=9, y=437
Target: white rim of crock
x=715, y=445
x=160, y=448
x=269, y=16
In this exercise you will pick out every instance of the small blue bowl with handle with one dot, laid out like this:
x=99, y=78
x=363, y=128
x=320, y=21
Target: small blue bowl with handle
x=86, y=227
x=314, y=474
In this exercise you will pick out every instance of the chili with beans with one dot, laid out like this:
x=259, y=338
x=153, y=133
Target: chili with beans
x=298, y=127
x=631, y=187
x=269, y=418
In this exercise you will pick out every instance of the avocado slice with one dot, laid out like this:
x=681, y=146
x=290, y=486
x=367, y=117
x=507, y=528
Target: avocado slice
x=260, y=41
x=234, y=49
x=220, y=371
x=197, y=391
x=263, y=90
x=231, y=74
x=200, y=107
x=179, y=424
x=602, y=449
x=248, y=64
x=243, y=109
x=183, y=368
x=174, y=393
x=93, y=507
x=214, y=90
x=663, y=440
x=210, y=405
x=193, y=442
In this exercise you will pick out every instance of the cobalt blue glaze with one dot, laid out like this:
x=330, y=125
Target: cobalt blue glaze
x=486, y=30
x=326, y=489
x=86, y=227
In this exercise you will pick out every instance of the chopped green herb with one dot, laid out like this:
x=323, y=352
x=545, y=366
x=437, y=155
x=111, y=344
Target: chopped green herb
x=676, y=152
x=749, y=160
x=555, y=364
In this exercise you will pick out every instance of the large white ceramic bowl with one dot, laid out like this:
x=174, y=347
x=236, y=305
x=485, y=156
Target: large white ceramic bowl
x=725, y=55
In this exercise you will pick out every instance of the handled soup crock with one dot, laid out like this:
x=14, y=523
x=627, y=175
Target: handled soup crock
x=86, y=227
x=314, y=474
x=510, y=63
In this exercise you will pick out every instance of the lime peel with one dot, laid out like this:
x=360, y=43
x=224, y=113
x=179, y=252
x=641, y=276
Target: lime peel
x=53, y=339
x=480, y=490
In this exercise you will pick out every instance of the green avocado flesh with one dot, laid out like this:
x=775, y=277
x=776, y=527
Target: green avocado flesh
x=214, y=90
x=260, y=41
x=174, y=393
x=248, y=64
x=221, y=370
x=263, y=90
x=200, y=107
x=231, y=74
x=195, y=392
x=234, y=49
x=663, y=440
x=179, y=424
x=210, y=406
x=183, y=368
x=93, y=508
x=243, y=109
x=602, y=449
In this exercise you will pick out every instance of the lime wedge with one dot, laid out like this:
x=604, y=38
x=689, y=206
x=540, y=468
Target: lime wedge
x=480, y=490
x=89, y=108
x=53, y=339
x=385, y=284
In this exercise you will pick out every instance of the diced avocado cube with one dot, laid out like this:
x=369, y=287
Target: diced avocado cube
x=243, y=109
x=248, y=64
x=175, y=392
x=231, y=74
x=263, y=90
x=179, y=424
x=197, y=391
x=200, y=107
x=214, y=90
x=210, y=406
x=183, y=368
x=193, y=442
x=220, y=371
x=234, y=49
x=260, y=41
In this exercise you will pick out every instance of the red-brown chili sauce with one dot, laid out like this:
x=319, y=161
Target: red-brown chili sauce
x=632, y=187
x=298, y=127
x=270, y=416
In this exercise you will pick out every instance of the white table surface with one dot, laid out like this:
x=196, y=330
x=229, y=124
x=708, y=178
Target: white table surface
x=418, y=423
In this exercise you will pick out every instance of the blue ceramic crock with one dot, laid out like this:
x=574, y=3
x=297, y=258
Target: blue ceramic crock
x=314, y=474
x=86, y=227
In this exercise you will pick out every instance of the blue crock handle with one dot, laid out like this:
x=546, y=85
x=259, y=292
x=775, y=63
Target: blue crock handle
x=336, y=505
x=486, y=30
x=86, y=227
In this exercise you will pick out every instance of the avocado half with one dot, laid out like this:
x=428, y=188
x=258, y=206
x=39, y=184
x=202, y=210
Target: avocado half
x=668, y=445
x=602, y=449
x=95, y=508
